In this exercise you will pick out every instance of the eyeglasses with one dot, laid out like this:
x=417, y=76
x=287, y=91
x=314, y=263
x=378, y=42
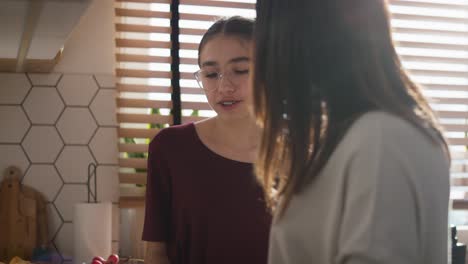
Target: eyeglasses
x=209, y=80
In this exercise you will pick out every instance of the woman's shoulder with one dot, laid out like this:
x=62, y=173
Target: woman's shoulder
x=384, y=125
x=383, y=148
x=386, y=131
x=382, y=121
x=173, y=135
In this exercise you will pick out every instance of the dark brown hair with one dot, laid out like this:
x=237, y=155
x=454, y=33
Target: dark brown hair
x=320, y=65
x=228, y=26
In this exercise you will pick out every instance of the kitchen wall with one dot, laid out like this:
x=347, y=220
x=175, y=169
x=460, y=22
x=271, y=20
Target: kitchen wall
x=53, y=125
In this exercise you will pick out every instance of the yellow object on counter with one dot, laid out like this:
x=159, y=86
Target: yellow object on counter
x=18, y=260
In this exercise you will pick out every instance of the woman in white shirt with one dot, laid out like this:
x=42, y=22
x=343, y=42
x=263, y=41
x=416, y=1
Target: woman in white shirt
x=363, y=167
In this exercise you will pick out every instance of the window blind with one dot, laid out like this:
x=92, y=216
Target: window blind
x=431, y=37
x=143, y=56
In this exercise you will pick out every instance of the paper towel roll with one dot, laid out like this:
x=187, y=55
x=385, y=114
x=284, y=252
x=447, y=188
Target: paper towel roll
x=92, y=231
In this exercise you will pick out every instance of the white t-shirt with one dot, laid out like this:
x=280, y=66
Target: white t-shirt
x=382, y=198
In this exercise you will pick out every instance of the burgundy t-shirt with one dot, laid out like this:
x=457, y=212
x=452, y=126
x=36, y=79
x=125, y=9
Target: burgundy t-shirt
x=208, y=209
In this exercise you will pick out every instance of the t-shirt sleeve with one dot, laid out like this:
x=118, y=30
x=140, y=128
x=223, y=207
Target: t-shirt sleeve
x=380, y=215
x=158, y=193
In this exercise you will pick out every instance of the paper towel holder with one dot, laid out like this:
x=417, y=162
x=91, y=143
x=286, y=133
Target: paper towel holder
x=92, y=170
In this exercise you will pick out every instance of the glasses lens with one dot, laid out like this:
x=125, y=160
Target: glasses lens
x=197, y=75
x=238, y=76
x=211, y=80
x=207, y=80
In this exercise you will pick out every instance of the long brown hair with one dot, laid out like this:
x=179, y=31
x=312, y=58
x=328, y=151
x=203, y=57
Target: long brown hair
x=320, y=65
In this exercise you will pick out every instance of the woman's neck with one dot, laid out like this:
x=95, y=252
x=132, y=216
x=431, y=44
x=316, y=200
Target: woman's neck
x=239, y=134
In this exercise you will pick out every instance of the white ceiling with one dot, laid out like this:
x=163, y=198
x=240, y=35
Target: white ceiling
x=56, y=21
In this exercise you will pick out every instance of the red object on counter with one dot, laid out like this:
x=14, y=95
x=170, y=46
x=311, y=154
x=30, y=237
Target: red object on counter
x=113, y=259
x=97, y=261
x=99, y=258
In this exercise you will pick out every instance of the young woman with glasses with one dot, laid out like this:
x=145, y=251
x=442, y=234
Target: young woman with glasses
x=352, y=158
x=203, y=204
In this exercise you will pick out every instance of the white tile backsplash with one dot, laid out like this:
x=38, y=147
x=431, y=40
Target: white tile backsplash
x=77, y=90
x=68, y=111
x=68, y=197
x=104, y=145
x=104, y=107
x=44, y=79
x=45, y=179
x=73, y=164
x=64, y=241
x=53, y=220
x=107, y=183
x=14, y=124
x=14, y=87
x=12, y=155
x=76, y=125
x=105, y=80
x=43, y=105
x=42, y=144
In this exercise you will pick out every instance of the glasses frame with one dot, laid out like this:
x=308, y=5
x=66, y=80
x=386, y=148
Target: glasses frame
x=221, y=75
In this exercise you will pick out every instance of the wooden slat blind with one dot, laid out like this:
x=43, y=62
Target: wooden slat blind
x=144, y=84
x=431, y=37
x=432, y=40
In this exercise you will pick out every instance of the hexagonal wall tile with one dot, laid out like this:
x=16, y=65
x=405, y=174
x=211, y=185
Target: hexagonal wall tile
x=14, y=122
x=76, y=125
x=64, y=241
x=45, y=179
x=73, y=164
x=55, y=257
x=15, y=86
x=44, y=79
x=68, y=197
x=12, y=155
x=105, y=80
x=54, y=221
x=77, y=90
x=43, y=105
x=42, y=144
x=107, y=183
x=104, y=145
x=104, y=107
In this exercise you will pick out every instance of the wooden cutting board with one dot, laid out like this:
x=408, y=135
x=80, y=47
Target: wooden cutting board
x=23, y=221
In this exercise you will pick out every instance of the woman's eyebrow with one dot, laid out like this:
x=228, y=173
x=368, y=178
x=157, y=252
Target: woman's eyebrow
x=239, y=59
x=233, y=60
x=209, y=63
